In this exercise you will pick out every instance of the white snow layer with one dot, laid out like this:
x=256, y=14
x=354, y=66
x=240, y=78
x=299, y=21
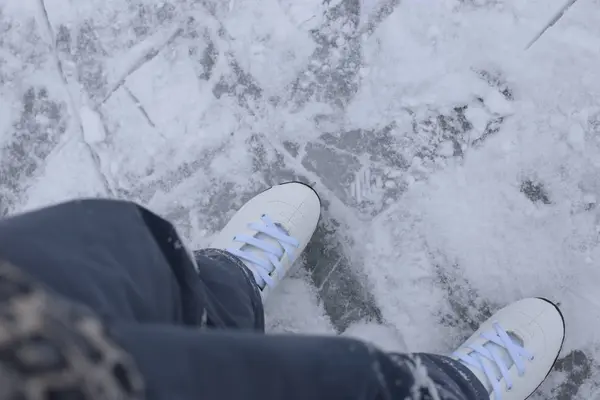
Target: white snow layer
x=464, y=215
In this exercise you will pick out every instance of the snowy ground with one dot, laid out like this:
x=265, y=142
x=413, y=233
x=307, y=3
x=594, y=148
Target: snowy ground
x=460, y=171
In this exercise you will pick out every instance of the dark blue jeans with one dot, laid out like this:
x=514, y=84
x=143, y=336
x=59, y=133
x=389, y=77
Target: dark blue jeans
x=194, y=323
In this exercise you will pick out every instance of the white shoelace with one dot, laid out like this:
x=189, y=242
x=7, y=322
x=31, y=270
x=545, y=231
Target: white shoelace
x=480, y=353
x=262, y=268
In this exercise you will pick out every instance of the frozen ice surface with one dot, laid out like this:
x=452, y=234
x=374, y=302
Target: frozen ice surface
x=459, y=171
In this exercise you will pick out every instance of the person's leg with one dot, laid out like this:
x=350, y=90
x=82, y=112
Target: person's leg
x=128, y=266
x=506, y=359
x=92, y=266
x=116, y=257
x=68, y=355
x=236, y=365
x=126, y=263
x=233, y=298
x=52, y=348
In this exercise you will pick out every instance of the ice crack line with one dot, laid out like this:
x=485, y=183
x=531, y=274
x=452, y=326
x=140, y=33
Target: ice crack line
x=552, y=21
x=45, y=20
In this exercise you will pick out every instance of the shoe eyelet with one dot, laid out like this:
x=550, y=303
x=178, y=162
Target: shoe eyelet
x=531, y=358
x=508, y=388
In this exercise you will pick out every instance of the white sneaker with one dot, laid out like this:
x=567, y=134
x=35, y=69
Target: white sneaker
x=514, y=350
x=271, y=230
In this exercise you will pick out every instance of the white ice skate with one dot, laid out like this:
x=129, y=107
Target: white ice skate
x=271, y=230
x=513, y=351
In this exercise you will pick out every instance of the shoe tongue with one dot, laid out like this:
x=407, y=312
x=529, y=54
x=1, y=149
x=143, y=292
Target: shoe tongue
x=502, y=354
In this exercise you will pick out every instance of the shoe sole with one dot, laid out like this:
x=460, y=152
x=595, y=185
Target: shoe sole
x=561, y=343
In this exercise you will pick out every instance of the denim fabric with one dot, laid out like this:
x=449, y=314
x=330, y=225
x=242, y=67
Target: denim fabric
x=194, y=324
